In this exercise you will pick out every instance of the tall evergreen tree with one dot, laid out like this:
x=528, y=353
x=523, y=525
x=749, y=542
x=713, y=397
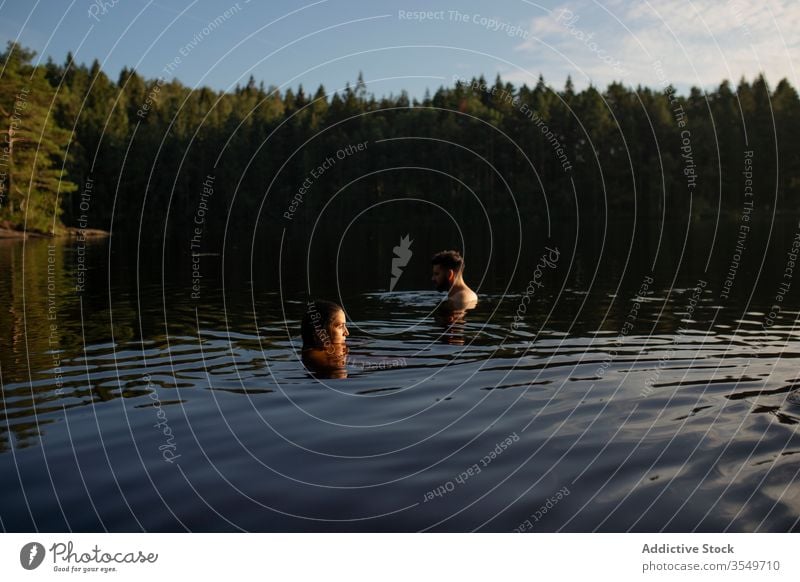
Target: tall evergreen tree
x=33, y=145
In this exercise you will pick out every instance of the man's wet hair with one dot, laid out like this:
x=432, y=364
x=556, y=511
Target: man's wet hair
x=314, y=326
x=449, y=260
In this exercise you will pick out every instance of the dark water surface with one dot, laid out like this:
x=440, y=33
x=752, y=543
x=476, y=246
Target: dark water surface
x=130, y=405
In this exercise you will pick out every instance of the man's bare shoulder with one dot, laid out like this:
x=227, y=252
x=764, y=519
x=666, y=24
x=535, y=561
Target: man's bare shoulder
x=463, y=299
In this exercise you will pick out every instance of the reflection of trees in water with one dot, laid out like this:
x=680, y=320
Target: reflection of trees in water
x=40, y=328
x=149, y=322
x=25, y=327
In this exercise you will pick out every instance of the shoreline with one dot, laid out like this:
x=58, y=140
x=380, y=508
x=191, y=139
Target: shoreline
x=71, y=232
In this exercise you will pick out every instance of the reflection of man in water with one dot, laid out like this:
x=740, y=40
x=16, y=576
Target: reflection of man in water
x=454, y=322
x=324, y=330
x=448, y=275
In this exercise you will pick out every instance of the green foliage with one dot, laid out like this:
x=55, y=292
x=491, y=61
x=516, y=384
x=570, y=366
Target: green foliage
x=32, y=175
x=148, y=145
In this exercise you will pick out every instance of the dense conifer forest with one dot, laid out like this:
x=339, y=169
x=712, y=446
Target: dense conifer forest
x=81, y=148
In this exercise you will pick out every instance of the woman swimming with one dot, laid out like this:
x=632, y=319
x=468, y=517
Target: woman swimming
x=324, y=331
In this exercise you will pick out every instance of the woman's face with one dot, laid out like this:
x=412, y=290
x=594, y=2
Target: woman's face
x=337, y=328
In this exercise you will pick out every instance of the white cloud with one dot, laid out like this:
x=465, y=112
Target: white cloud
x=700, y=42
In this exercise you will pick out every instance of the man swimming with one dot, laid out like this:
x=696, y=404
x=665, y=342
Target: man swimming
x=448, y=275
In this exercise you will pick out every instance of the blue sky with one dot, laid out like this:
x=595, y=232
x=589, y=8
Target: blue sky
x=698, y=42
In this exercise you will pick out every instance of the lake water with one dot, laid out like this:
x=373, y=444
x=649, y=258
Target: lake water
x=625, y=393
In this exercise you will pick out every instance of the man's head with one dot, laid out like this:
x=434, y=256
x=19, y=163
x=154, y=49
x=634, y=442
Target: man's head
x=447, y=268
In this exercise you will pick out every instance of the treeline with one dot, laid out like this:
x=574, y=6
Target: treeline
x=141, y=155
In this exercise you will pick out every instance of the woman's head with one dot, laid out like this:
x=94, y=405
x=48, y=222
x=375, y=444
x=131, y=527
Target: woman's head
x=323, y=325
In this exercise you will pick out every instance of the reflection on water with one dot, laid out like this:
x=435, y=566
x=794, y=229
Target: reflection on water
x=129, y=406
x=326, y=362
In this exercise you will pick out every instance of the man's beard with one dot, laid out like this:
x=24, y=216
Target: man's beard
x=443, y=286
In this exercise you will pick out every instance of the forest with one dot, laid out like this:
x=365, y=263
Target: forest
x=138, y=155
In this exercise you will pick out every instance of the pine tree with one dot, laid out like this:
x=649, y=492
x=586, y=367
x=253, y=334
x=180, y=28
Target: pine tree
x=33, y=145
